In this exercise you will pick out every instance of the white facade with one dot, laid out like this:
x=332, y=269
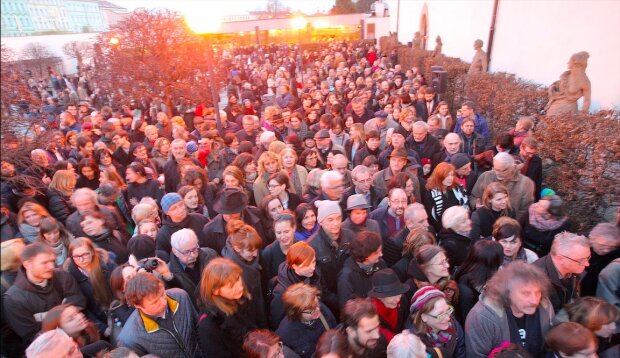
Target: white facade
x=54, y=43
x=533, y=39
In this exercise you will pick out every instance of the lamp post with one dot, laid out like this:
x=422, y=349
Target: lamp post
x=206, y=28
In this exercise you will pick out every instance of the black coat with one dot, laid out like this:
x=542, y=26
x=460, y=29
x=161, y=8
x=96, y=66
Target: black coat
x=468, y=295
x=354, y=282
x=457, y=247
x=113, y=242
x=393, y=247
x=195, y=222
x=172, y=177
x=364, y=152
x=562, y=291
x=94, y=311
x=534, y=172
x=270, y=260
x=287, y=277
x=222, y=336
x=8, y=227
x=302, y=337
x=183, y=280
x=380, y=215
x=329, y=259
x=149, y=188
x=482, y=221
x=214, y=233
x=25, y=299
x=252, y=278
x=59, y=205
x=425, y=149
x=538, y=240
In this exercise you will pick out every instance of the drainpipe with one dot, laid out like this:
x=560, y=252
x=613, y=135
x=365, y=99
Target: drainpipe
x=492, y=32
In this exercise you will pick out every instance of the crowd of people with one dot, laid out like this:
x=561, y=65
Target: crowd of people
x=337, y=208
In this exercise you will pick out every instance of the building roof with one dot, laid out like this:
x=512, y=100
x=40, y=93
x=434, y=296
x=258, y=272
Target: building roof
x=110, y=6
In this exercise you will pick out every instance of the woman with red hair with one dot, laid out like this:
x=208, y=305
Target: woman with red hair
x=442, y=192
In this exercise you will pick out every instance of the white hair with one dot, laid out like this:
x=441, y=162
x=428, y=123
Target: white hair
x=452, y=136
x=406, y=345
x=565, y=241
x=419, y=125
x=328, y=176
x=266, y=136
x=46, y=342
x=411, y=210
x=453, y=216
x=504, y=158
x=84, y=192
x=181, y=236
x=38, y=152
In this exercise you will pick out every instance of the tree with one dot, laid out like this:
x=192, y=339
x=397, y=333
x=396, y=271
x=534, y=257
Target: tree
x=80, y=50
x=153, y=53
x=38, y=55
x=343, y=7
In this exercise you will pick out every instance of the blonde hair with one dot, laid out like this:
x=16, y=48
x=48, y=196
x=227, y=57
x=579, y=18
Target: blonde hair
x=178, y=121
x=218, y=273
x=268, y=155
x=63, y=181
x=490, y=191
x=30, y=206
x=526, y=122
x=150, y=128
x=10, y=253
x=277, y=147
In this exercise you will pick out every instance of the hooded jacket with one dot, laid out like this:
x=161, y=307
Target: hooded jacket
x=24, y=300
x=487, y=327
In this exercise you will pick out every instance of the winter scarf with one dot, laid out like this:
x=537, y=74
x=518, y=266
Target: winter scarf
x=441, y=338
x=29, y=232
x=541, y=223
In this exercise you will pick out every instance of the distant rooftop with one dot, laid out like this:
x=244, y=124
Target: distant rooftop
x=110, y=6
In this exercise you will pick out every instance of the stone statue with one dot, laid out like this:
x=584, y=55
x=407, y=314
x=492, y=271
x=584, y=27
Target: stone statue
x=480, y=62
x=438, y=45
x=572, y=85
x=417, y=41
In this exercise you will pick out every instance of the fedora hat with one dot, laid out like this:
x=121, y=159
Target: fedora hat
x=385, y=283
x=399, y=153
x=231, y=201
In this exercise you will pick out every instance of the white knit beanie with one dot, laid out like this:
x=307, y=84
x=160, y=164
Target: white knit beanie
x=326, y=208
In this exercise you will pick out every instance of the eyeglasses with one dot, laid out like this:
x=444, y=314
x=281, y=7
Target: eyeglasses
x=273, y=186
x=582, y=262
x=444, y=262
x=443, y=315
x=195, y=250
x=82, y=257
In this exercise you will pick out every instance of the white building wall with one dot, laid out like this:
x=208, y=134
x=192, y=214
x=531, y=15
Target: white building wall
x=533, y=39
x=54, y=44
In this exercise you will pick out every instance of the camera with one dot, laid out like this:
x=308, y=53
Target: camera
x=149, y=264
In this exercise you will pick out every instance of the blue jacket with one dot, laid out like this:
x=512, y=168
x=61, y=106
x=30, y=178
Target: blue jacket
x=480, y=126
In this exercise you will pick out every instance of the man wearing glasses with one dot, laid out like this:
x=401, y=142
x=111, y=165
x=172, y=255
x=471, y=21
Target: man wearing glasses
x=564, y=266
x=187, y=261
